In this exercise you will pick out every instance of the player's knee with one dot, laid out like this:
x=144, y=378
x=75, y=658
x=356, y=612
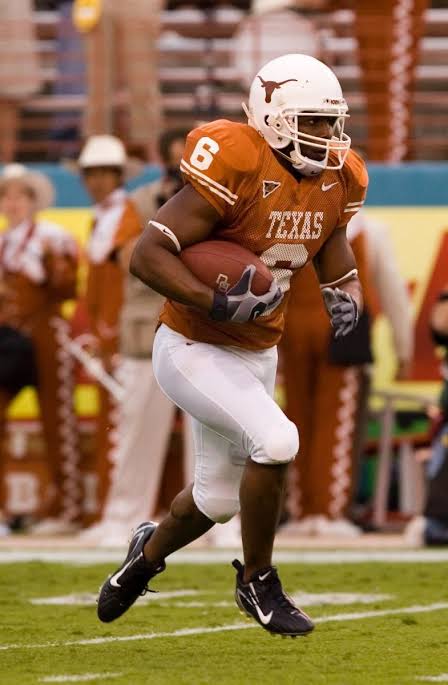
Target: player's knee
x=217, y=508
x=280, y=446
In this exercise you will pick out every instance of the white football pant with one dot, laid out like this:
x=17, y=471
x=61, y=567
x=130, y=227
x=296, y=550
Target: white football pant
x=229, y=393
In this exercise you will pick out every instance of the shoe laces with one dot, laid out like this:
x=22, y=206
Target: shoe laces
x=147, y=589
x=275, y=589
x=141, y=573
x=157, y=569
x=271, y=585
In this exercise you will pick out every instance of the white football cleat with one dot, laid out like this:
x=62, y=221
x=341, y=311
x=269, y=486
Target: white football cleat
x=54, y=526
x=95, y=532
x=414, y=533
x=226, y=534
x=305, y=526
x=341, y=528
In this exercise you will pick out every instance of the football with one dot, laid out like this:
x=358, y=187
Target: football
x=220, y=264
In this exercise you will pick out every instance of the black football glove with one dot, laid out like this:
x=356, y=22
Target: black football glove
x=342, y=309
x=239, y=304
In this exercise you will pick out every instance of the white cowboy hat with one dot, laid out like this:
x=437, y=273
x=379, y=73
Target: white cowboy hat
x=108, y=151
x=261, y=6
x=38, y=183
x=103, y=150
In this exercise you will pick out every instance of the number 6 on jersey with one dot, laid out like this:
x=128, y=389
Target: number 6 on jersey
x=202, y=155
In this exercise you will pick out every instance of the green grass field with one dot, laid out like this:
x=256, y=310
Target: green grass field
x=50, y=633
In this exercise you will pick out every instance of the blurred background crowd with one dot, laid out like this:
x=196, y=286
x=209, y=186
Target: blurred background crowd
x=96, y=99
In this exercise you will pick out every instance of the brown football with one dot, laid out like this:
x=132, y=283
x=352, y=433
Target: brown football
x=220, y=264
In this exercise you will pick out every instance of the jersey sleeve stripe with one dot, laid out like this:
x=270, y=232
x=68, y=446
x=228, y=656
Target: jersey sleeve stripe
x=194, y=172
x=354, y=204
x=352, y=209
x=210, y=187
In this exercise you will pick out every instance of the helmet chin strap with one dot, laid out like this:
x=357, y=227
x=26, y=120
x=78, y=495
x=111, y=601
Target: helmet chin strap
x=303, y=164
x=250, y=118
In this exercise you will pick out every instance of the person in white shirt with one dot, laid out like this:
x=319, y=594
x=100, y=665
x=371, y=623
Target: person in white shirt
x=390, y=288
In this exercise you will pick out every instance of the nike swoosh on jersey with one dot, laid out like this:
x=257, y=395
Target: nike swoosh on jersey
x=325, y=187
x=114, y=579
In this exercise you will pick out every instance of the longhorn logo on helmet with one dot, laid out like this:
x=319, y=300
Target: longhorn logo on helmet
x=270, y=86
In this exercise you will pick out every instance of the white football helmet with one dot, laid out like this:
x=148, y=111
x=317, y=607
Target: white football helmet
x=292, y=86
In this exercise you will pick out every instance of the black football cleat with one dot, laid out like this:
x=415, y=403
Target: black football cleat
x=263, y=599
x=131, y=580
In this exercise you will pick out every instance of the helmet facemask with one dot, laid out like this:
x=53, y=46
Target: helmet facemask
x=330, y=153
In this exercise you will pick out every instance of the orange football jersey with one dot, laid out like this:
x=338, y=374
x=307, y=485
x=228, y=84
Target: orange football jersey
x=266, y=209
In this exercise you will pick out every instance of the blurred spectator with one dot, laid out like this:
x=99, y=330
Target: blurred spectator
x=103, y=164
x=388, y=293
x=70, y=80
x=147, y=414
x=388, y=34
x=432, y=527
x=321, y=399
x=19, y=69
x=274, y=28
x=325, y=381
x=389, y=289
x=436, y=508
x=38, y=264
x=149, y=197
x=122, y=50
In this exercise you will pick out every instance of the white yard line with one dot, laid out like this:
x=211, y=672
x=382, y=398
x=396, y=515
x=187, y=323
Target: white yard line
x=90, y=598
x=442, y=678
x=186, y=632
x=81, y=678
x=183, y=632
x=312, y=599
x=304, y=599
x=418, y=609
x=98, y=556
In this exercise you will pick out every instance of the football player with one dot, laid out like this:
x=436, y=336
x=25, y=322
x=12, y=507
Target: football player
x=284, y=185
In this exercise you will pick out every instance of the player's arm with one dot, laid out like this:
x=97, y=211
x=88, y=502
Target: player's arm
x=214, y=170
x=186, y=218
x=336, y=269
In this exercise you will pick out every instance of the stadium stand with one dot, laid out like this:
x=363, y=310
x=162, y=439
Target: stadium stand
x=199, y=81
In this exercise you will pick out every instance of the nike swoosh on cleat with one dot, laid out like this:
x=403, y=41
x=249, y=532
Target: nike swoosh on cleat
x=264, y=576
x=140, y=534
x=265, y=619
x=114, y=579
x=325, y=187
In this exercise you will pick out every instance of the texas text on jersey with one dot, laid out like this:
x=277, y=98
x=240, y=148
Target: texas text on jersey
x=265, y=207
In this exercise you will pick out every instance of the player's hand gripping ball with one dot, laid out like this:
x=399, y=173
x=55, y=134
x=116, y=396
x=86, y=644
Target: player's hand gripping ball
x=244, y=286
x=240, y=304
